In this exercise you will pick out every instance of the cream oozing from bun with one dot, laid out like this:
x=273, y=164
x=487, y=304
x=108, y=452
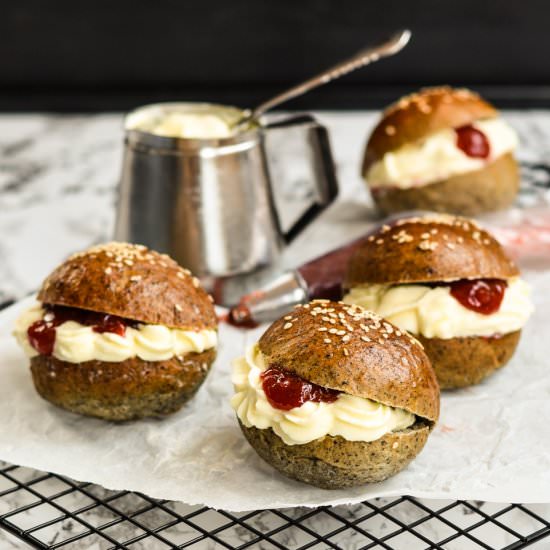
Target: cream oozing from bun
x=434, y=313
x=353, y=418
x=437, y=157
x=77, y=343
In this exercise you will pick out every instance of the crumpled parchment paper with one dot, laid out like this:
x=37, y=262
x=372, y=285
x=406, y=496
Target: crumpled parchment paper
x=492, y=442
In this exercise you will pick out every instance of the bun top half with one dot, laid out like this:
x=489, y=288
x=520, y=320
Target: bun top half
x=430, y=248
x=346, y=348
x=418, y=115
x=133, y=282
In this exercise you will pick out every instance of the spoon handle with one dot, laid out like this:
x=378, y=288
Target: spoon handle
x=366, y=56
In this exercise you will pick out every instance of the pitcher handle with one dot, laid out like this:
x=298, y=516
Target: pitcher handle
x=323, y=171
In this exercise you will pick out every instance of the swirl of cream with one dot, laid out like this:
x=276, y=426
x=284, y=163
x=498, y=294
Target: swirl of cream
x=434, y=313
x=353, y=418
x=152, y=342
x=76, y=343
x=353, y=415
x=186, y=341
x=437, y=157
x=157, y=342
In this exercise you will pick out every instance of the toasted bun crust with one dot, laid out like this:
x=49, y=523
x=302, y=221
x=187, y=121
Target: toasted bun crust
x=133, y=282
x=460, y=362
x=334, y=462
x=494, y=187
x=428, y=248
x=127, y=390
x=418, y=115
x=366, y=357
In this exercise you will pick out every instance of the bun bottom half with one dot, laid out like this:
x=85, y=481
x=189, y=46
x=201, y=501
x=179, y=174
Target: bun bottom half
x=494, y=187
x=335, y=463
x=461, y=362
x=126, y=390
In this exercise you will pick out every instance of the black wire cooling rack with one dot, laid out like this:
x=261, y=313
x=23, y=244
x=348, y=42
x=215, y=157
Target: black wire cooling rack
x=51, y=511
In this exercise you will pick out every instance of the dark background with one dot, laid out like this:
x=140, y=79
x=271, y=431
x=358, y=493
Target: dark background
x=67, y=55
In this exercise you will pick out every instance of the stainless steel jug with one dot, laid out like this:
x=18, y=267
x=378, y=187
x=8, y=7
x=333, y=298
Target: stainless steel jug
x=209, y=203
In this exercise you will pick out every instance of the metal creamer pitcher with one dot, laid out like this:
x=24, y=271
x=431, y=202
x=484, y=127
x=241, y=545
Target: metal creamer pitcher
x=209, y=203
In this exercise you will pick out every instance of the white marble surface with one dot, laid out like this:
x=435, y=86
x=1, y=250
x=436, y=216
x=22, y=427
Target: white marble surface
x=58, y=177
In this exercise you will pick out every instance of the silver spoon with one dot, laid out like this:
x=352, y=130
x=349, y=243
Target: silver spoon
x=366, y=56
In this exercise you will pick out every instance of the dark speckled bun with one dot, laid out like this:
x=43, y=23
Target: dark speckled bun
x=366, y=357
x=135, y=283
x=131, y=281
x=335, y=463
x=414, y=118
x=493, y=187
x=418, y=115
x=431, y=249
x=127, y=390
x=462, y=362
x=346, y=348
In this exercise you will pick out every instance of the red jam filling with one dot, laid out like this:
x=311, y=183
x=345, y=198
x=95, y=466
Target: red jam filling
x=285, y=390
x=472, y=142
x=41, y=333
x=42, y=337
x=480, y=295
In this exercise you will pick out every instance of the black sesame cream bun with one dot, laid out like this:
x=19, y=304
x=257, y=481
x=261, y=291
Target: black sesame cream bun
x=119, y=332
x=442, y=149
x=334, y=396
x=450, y=284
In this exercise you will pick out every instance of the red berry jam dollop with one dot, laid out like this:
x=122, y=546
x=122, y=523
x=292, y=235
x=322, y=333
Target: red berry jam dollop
x=480, y=295
x=472, y=142
x=285, y=390
x=41, y=333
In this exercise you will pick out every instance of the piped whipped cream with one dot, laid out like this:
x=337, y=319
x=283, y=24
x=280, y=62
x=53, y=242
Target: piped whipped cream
x=76, y=343
x=353, y=418
x=437, y=157
x=434, y=313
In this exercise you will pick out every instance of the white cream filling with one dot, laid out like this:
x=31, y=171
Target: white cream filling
x=437, y=157
x=434, y=313
x=353, y=418
x=185, y=120
x=188, y=125
x=76, y=343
